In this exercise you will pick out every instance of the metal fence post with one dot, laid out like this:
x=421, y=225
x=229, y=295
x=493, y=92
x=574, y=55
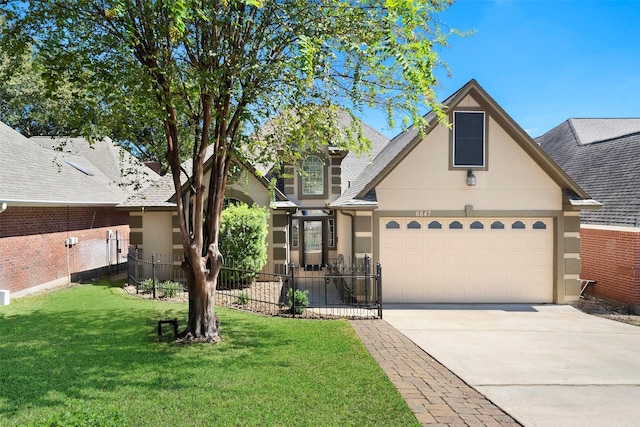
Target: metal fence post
x=293, y=289
x=367, y=279
x=379, y=290
x=153, y=272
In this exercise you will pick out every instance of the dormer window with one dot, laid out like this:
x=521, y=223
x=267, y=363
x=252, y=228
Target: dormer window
x=312, y=176
x=469, y=145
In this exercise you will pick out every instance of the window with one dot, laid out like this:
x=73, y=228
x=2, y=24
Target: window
x=539, y=225
x=392, y=225
x=312, y=176
x=468, y=139
x=497, y=225
x=295, y=233
x=476, y=225
x=455, y=225
x=434, y=225
x=415, y=225
x=518, y=225
x=331, y=232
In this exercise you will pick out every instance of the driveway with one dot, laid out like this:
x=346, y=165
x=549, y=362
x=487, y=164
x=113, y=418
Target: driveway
x=545, y=365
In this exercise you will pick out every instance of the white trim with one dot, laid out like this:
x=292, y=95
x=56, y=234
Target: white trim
x=626, y=229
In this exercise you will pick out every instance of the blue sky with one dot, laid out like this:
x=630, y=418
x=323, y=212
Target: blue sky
x=545, y=61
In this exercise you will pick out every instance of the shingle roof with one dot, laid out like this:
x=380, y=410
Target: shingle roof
x=114, y=161
x=603, y=156
x=33, y=175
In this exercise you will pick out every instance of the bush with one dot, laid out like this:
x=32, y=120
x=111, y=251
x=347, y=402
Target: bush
x=243, y=242
x=171, y=289
x=300, y=298
x=147, y=286
x=243, y=298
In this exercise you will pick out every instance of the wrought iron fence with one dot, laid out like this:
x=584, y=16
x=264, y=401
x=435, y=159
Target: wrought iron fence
x=337, y=290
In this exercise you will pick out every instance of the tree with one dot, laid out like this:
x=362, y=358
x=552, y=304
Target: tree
x=212, y=73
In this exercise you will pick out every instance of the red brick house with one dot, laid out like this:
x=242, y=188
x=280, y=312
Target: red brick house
x=57, y=209
x=603, y=157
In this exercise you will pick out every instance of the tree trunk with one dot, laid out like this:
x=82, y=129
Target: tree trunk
x=202, y=279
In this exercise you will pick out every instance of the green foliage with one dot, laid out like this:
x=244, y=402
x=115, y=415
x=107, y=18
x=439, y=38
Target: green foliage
x=170, y=289
x=147, y=285
x=298, y=300
x=243, y=298
x=260, y=81
x=243, y=234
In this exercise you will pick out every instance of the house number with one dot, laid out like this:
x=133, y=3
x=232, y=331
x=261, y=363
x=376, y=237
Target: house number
x=423, y=213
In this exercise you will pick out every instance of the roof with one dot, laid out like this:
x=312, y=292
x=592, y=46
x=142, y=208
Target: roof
x=34, y=175
x=161, y=194
x=603, y=156
x=399, y=147
x=114, y=161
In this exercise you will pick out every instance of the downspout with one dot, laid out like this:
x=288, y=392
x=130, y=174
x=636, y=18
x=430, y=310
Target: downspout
x=353, y=236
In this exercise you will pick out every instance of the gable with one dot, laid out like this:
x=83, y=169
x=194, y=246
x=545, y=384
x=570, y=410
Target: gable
x=469, y=96
x=427, y=177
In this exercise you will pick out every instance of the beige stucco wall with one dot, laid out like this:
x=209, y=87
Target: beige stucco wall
x=157, y=232
x=424, y=180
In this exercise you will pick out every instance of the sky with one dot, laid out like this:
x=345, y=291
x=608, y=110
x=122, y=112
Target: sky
x=544, y=62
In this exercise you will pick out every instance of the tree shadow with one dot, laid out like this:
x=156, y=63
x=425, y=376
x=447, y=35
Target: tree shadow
x=52, y=355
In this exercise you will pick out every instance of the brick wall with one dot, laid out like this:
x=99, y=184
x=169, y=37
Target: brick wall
x=32, y=243
x=612, y=258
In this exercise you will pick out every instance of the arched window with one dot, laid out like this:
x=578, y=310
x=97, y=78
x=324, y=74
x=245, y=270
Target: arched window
x=539, y=225
x=392, y=225
x=414, y=225
x=518, y=225
x=312, y=176
x=476, y=225
x=435, y=225
x=455, y=225
x=497, y=225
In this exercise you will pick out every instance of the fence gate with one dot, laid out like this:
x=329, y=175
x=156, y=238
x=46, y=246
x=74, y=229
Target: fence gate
x=117, y=248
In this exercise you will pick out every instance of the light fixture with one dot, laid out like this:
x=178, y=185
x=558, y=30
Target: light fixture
x=471, y=178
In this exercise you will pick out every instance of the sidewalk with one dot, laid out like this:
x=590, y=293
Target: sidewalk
x=435, y=395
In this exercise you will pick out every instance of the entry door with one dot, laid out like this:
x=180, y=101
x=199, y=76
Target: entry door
x=312, y=243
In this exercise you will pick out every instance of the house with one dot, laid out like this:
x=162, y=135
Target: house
x=477, y=212
x=297, y=204
x=58, y=220
x=603, y=156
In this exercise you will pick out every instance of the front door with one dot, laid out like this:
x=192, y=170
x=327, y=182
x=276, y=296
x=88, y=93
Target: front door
x=313, y=253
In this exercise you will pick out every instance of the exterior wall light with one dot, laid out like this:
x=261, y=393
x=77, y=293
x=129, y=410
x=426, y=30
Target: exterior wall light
x=471, y=178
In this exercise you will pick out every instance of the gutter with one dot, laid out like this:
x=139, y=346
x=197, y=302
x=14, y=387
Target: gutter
x=60, y=203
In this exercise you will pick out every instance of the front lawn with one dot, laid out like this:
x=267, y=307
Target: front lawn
x=89, y=356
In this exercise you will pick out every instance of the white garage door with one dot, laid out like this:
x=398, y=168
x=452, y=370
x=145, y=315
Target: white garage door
x=467, y=260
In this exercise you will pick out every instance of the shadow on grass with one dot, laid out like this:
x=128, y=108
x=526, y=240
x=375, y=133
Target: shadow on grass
x=82, y=343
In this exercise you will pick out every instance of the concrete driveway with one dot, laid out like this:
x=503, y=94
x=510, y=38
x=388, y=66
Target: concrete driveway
x=545, y=365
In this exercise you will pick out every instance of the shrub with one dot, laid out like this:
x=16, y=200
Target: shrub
x=243, y=242
x=300, y=298
x=147, y=285
x=243, y=298
x=171, y=289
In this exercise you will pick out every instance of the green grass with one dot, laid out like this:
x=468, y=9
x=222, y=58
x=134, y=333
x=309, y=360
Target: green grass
x=89, y=356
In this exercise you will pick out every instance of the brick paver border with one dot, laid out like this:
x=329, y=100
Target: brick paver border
x=435, y=395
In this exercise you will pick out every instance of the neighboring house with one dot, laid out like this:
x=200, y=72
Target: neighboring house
x=472, y=213
x=58, y=209
x=603, y=156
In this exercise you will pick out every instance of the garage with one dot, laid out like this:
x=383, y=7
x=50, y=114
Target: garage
x=467, y=260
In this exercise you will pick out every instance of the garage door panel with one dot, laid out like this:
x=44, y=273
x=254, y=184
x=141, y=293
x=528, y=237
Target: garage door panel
x=467, y=265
